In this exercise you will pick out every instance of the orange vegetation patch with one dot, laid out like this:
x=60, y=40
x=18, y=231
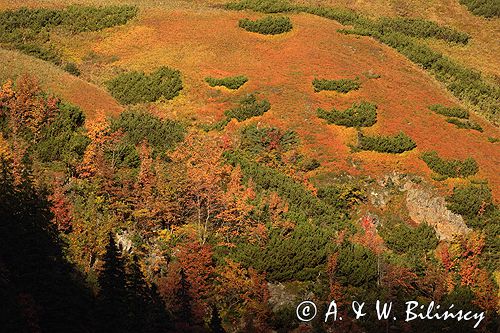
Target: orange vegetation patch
x=92, y=99
x=482, y=51
x=209, y=43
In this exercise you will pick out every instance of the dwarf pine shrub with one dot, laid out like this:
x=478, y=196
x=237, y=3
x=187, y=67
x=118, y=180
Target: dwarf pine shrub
x=450, y=168
x=342, y=85
x=231, y=82
x=137, y=87
x=263, y=6
x=363, y=114
x=269, y=25
x=249, y=107
x=386, y=144
x=486, y=8
x=456, y=112
x=465, y=124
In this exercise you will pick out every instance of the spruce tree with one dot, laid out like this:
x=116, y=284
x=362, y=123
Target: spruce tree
x=158, y=320
x=215, y=324
x=138, y=296
x=112, y=298
x=185, y=312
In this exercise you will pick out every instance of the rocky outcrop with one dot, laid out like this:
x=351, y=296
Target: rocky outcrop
x=423, y=204
x=424, y=207
x=279, y=297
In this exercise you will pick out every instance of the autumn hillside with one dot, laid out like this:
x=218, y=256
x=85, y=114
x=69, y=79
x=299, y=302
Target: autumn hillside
x=214, y=162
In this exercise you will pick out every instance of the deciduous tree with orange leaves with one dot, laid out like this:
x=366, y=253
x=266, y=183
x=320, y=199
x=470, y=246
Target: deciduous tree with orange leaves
x=200, y=156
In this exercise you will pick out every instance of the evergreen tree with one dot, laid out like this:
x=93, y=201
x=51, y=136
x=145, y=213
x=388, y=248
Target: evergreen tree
x=215, y=324
x=112, y=298
x=185, y=312
x=39, y=290
x=157, y=318
x=138, y=296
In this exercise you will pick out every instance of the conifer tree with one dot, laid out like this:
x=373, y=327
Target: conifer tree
x=138, y=297
x=216, y=322
x=185, y=311
x=112, y=299
x=158, y=320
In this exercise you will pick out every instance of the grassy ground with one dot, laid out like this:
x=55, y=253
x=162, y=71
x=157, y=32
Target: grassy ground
x=203, y=41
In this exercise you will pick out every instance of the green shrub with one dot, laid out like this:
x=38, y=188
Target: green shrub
x=486, y=8
x=330, y=209
x=256, y=139
x=263, y=6
x=64, y=138
x=464, y=83
x=407, y=26
x=493, y=139
x=72, y=18
x=137, y=87
x=24, y=22
x=28, y=30
x=450, y=168
x=342, y=196
x=82, y=18
x=465, y=124
x=218, y=126
x=72, y=68
x=269, y=25
x=402, y=238
x=130, y=88
x=342, y=15
x=123, y=154
x=363, y=114
x=450, y=111
x=418, y=28
x=249, y=107
x=232, y=82
x=301, y=255
x=162, y=135
x=468, y=200
x=41, y=52
x=386, y=144
x=356, y=266
x=342, y=85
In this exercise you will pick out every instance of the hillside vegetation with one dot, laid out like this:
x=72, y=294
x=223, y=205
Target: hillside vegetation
x=486, y=8
x=450, y=168
x=29, y=30
x=363, y=114
x=269, y=25
x=342, y=85
x=464, y=83
x=232, y=82
x=394, y=144
x=163, y=191
x=138, y=87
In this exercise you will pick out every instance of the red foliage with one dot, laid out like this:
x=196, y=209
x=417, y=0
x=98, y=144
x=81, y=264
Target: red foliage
x=197, y=261
x=61, y=209
x=370, y=237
